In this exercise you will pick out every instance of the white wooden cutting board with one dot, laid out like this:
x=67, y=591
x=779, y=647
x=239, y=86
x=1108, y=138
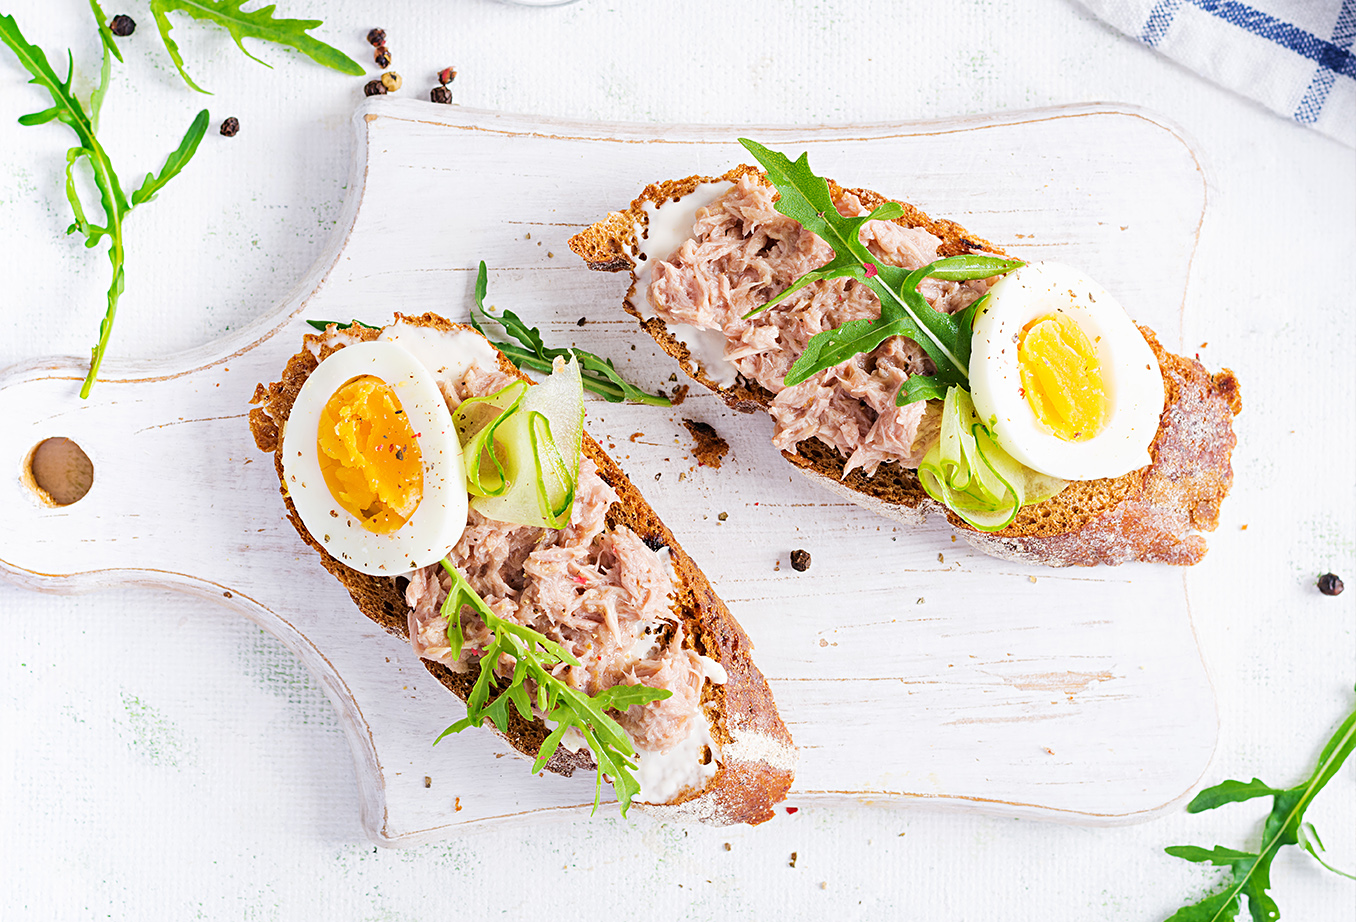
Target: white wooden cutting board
x=909, y=668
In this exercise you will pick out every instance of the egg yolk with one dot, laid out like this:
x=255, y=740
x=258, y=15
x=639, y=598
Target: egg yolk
x=1062, y=378
x=369, y=455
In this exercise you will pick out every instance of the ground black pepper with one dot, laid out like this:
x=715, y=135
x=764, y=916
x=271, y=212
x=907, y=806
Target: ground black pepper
x=122, y=25
x=376, y=37
x=230, y=127
x=1330, y=584
x=800, y=560
x=441, y=94
x=374, y=88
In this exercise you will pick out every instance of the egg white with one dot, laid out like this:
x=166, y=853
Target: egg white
x=440, y=518
x=1130, y=374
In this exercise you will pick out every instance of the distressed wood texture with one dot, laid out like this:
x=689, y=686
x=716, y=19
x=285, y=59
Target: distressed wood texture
x=910, y=668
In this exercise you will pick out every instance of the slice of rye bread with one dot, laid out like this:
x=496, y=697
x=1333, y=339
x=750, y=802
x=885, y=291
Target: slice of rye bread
x=1153, y=514
x=757, y=755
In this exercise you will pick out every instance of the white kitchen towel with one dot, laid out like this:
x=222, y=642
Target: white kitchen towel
x=1293, y=56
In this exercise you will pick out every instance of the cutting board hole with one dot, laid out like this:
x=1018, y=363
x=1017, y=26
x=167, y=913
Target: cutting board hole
x=59, y=471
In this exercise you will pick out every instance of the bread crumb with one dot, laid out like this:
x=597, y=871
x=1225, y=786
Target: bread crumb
x=727, y=846
x=456, y=807
x=1031, y=579
x=679, y=395
x=792, y=862
x=708, y=447
x=428, y=782
x=723, y=516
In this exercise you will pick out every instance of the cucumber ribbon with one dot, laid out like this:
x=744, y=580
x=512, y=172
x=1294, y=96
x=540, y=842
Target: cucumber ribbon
x=969, y=473
x=522, y=447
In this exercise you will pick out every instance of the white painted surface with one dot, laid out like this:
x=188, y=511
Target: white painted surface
x=163, y=754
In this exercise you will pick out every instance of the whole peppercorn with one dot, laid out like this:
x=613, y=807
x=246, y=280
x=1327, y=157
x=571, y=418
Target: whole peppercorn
x=441, y=94
x=391, y=81
x=447, y=75
x=800, y=560
x=122, y=25
x=1330, y=584
x=374, y=88
x=230, y=127
x=376, y=37
x=382, y=56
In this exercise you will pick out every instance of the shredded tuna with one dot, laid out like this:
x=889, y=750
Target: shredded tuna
x=600, y=592
x=741, y=255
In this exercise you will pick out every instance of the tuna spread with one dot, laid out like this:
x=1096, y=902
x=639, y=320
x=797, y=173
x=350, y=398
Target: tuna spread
x=600, y=592
x=740, y=255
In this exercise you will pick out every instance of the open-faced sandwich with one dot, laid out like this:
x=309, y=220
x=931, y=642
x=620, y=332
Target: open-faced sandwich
x=466, y=510
x=911, y=366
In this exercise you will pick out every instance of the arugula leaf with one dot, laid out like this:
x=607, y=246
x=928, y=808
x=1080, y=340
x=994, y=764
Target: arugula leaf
x=805, y=197
x=533, y=656
x=1250, y=872
x=598, y=373
x=321, y=325
x=258, y=24
x=105, y=33
x=67, y=109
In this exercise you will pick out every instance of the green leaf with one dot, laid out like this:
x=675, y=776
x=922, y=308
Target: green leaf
x=920, y=387
x=175, y=162
x=1229, y=792
x=105, y=33
x=1250, y=872
x=534, y=654
x=805, y=197
x=258, y=24
x=1218, y=907
x=1219, y=855
x=322, y=325
x=66, y=108
x=621, y=697
x=1311, y=843
x=597, y=373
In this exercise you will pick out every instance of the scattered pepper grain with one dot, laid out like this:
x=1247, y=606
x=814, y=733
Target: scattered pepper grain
x=391, y=81
x=230, y=127
x=800, y=560
x=447, y=75
x=1330, y=584
x=376, y=37
x=374, y=88
x=441, y=94
x=122, y=25
x=382, y=55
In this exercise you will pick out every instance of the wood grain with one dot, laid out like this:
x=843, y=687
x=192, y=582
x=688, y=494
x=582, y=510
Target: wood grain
x=910, y=669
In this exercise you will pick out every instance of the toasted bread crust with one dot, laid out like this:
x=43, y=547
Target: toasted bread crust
x=743, y=790
x=1152, y=514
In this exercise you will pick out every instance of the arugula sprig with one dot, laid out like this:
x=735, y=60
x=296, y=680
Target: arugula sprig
x=257, y=24
x=533, y=655
x=1250, y=872
x=805, y=197
x=84, y=122
x=530, y=352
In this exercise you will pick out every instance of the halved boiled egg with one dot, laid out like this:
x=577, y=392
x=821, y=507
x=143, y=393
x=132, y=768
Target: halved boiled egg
x=1063, y=379
x=372, y=462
